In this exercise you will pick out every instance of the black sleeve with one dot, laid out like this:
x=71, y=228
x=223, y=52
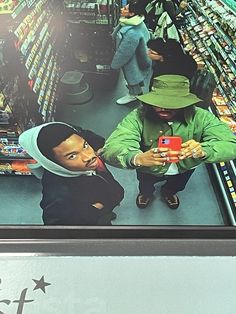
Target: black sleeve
x=171, y=8
x=66, y=212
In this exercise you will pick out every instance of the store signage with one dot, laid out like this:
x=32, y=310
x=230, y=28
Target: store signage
x=22, y=298
x=115, y=285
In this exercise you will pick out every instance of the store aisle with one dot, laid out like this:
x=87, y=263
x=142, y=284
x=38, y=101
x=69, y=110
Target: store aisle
x=20, y=196
x=198, y=205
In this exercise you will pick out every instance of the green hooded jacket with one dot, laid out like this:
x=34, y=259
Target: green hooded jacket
x=136, y=134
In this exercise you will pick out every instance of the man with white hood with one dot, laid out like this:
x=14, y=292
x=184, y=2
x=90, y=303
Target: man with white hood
x=78, y=189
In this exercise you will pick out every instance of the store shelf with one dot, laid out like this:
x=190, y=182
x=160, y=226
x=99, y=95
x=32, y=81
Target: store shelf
x=10, y=158
x=13, y=162
x=92, y=23
x=18, y=9
x=207, y=36
x=40, y=61
x=223, y=188
x=30, y=3
x=6, y=7
x=14, y=173
x=229, y=70
x=93, y=12
x=230, y=182
x=32, y=33
x=230, y=4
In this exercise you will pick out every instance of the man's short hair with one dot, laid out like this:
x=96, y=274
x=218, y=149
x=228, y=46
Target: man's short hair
x=137, y=8
x=51, y=136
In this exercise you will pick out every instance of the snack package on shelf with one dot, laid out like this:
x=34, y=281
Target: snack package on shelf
x=11, y=149
x=16, y=167
x=2, y=98
x=223, y=110
x=7, y=6
x=230, y=121
x=5, y=166
x=219, y=100
x=21, y=165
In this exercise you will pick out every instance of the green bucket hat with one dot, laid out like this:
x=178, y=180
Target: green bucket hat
x=170, y=92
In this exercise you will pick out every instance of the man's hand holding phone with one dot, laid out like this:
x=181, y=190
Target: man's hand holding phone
x=173, y=144
x=152, y=157
x=191, y=149
x=170, y=149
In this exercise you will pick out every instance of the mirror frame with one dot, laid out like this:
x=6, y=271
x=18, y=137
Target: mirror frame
x=118, y=241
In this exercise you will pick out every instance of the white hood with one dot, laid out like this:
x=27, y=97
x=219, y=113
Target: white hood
x=132, y=21
x=28, y=140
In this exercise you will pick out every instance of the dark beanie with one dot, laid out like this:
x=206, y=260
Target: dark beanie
x=137, y=8
x=51, y=136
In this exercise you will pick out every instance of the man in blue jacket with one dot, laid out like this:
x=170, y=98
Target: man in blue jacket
x=131, y=36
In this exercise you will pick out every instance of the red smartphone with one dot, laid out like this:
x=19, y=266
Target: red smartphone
x=173, y=143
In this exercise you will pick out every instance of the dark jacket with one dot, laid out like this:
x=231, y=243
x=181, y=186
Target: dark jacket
x=68, y=200
x=169, y=6
x=180, y=65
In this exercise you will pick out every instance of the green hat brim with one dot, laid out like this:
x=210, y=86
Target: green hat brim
x=169, y=102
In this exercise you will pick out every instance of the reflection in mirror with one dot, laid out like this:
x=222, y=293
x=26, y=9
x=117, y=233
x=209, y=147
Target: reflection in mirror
x=55, y=65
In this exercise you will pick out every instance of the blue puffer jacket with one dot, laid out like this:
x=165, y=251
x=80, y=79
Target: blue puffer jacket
x=131, y=52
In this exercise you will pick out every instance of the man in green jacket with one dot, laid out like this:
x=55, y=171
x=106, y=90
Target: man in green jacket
x=168, y=110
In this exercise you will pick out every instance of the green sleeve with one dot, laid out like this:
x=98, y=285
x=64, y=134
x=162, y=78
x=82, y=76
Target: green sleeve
x=124, y=143
x=218, y=141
